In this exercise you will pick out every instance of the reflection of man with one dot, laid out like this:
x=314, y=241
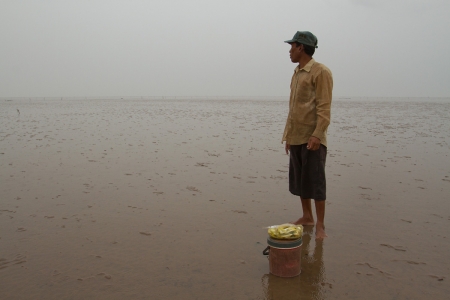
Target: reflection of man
x=306, y=129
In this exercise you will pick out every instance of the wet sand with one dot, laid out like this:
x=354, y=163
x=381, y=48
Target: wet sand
x=117, y=199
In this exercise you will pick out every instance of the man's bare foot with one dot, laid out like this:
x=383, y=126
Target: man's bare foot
x=320, y=231
x=304, y=221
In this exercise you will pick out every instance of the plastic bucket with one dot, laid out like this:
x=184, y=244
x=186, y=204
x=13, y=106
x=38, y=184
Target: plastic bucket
x=284, y=257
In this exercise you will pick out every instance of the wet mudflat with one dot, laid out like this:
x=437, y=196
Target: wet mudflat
x=167, y=199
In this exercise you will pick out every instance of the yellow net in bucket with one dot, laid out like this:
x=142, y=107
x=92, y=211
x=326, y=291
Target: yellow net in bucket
x=285, y=231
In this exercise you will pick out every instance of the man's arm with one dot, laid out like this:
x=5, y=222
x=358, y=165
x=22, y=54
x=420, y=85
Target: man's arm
x=324, y=88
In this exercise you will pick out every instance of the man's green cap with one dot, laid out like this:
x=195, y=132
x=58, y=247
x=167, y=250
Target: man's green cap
x=304, y=37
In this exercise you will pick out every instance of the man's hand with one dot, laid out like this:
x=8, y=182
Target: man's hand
x=287, y=147
x=313, y=143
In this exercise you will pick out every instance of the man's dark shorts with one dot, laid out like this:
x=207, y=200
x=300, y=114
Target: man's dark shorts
x=307, y=172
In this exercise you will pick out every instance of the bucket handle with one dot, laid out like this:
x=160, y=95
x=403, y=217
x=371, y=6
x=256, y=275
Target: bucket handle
x=266, y=251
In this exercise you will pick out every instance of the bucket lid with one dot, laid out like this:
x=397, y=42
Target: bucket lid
x=284, y=244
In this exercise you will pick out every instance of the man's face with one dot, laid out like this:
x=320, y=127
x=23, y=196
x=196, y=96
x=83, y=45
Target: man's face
x=295, y=52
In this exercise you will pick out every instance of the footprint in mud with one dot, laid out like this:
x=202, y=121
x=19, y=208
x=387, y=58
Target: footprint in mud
x=201, y=165
x=21, y=229
x=411, y=262
x=439, y=278
x=17, y=260
x=192, y=188
x=375, y=268
x=364, y=188
x=398, y=248
x=278, y=177
x=239, y=211
x=145, y=233
x=436, y=215
x=104, y=275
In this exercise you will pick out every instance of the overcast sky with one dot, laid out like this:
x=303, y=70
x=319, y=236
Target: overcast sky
x=220, y=48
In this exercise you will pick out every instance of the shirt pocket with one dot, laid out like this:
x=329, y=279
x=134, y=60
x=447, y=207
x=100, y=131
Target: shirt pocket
x=304, y=91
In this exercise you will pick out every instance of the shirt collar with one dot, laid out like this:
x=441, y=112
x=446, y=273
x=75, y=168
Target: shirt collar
x=307, y=67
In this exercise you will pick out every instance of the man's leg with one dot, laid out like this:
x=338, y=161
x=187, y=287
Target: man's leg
x=307, y=218
x=320, y=225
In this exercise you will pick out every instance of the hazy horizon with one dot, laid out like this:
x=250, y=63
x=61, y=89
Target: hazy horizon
x=205, y=48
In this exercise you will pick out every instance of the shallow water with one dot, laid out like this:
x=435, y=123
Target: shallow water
x=114, y=199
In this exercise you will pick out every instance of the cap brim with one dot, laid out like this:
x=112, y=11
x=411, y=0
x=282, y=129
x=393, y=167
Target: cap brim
x=289, y=41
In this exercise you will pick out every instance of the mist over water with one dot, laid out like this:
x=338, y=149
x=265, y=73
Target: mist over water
x=220, y=48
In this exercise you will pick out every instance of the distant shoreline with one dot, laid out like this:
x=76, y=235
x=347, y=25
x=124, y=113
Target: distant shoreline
x=225, y=98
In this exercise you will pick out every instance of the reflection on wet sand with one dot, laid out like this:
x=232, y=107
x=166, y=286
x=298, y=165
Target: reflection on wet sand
x=310, y=284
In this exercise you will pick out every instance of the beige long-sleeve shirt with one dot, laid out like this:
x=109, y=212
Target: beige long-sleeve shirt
x=309, y=104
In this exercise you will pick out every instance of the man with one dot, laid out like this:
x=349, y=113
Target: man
x=305, y=133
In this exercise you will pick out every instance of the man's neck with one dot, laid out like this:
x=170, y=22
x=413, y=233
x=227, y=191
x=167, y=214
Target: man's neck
x=304, y=60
